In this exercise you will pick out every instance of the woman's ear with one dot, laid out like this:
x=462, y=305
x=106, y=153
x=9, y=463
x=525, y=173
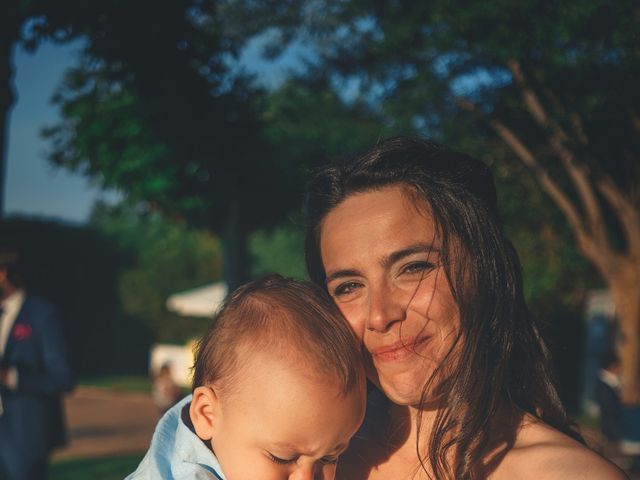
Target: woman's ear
x=205, y=412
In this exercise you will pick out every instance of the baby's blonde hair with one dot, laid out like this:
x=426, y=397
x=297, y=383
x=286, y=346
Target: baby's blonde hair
x=291, y=318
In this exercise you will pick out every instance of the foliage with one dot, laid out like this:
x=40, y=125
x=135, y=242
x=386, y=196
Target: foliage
x=125, y=383
x=164, y=257
x=76, y=269
x=111, y=468
x=110, y=282
x=554, y=272
x=159, y=113
x=416, y=65
x=211, y=173
x=308, y=124
x=278, y=250
x=162, y=114
x=551, y=84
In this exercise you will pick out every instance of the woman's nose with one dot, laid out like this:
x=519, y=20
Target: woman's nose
x=385, y=308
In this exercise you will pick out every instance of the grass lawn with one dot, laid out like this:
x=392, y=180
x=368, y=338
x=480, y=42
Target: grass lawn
x=108, y=468
x=130, y=383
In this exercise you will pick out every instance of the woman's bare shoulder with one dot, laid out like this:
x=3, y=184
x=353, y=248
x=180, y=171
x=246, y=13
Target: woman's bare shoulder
x=543, y=453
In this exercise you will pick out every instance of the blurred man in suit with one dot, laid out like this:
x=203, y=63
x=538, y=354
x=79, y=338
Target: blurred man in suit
x=34, y=372
x=608, y=397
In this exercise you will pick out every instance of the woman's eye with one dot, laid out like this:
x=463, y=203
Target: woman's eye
x=418, y=267
x=328, y=460
x=345, y=288
x=281, y=461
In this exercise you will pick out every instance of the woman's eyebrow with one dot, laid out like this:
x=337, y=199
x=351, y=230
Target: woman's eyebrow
x=410, y=250
x=340, y=274
x=386, y=261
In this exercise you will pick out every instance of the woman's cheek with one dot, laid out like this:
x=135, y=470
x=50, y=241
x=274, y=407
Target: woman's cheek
x=353, y=315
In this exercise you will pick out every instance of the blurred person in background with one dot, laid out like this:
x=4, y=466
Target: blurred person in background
x=613, y=428
x=607, y=394
x=165, y=392
x=34, y=372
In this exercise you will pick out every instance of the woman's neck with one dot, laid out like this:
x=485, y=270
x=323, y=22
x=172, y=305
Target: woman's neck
x=406, y=425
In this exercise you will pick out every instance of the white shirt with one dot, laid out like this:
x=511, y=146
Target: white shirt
x=609, y=378
x=176, y=452
x=11, y=307
x=10, y=310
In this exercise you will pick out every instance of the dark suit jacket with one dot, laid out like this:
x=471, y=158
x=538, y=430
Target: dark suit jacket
x=611, y=423
x=32, y=422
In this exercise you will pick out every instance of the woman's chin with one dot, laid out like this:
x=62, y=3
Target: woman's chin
x=408, y=390
x=402, y=392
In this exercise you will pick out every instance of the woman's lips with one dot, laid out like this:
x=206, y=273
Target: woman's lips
x=399, y=350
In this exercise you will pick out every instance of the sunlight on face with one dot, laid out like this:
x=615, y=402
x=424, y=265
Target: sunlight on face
x=381, y=255
x=283, y=423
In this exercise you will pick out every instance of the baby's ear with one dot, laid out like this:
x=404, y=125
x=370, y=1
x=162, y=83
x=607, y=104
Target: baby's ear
x=204, y=411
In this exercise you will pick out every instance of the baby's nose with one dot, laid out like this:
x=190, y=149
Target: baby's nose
x=305, y=472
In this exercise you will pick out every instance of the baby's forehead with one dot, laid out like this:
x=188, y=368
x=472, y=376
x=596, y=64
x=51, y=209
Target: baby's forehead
x=290, y=410
x=294, y=359
x=274, y=372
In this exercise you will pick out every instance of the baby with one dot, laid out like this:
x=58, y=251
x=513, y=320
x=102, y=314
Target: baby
x=278, y=391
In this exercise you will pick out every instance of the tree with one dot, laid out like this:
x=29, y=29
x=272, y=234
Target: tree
x=27, y=23
x=77, y=268
x=10, y=25
x=306, y=124
x=162, y=257
x=157, y=113
x=215, y=147
x=163, y=114
x=555, y=82
x=14, y=15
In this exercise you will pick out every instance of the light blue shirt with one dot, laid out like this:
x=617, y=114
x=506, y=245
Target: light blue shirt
x=176, y=452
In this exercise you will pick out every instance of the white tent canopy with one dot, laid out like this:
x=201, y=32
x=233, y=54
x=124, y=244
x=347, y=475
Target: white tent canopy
x=199, y=302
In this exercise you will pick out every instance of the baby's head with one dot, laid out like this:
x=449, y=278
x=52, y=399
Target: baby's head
x=279, y=389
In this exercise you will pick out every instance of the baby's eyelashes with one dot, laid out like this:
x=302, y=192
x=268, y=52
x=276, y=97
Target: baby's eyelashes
x=281, y=461
x=288, y=461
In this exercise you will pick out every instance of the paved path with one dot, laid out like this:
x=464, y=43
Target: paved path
x=107, y=423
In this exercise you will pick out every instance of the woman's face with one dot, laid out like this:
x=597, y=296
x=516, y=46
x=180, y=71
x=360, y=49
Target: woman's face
x=381, y=256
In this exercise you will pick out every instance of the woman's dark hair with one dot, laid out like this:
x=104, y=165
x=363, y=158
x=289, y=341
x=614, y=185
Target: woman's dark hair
x=498, y=338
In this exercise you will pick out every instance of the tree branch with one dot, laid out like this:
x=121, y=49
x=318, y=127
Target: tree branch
x=586, y=243
x=577, y=172
x=626, y=212
x=530, y=98
x=576, y=122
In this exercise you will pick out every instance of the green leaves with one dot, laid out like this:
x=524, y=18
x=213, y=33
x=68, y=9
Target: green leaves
x=164, y=257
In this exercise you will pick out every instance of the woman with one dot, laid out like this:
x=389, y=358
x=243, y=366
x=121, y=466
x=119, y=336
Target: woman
x=406, y=239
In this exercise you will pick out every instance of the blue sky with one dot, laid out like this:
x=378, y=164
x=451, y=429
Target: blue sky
x=33, y=186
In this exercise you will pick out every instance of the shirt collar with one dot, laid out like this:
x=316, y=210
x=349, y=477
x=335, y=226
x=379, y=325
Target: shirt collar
x=14, y=301
x=193, y=449
x=610, y=378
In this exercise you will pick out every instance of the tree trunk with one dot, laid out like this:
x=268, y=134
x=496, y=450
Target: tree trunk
x=234, y=244
x=624, y=285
